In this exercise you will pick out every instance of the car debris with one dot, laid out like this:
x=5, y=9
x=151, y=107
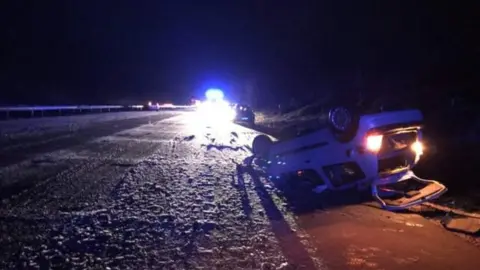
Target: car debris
x=467, y=225
x=378, y=150
x=457, y=220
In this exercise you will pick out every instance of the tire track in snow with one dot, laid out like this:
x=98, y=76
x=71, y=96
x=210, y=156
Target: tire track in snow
x=17, y=154
x=22, y=176
x=83, y=180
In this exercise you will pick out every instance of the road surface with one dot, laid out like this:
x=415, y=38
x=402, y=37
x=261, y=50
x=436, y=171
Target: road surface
x=168, y=191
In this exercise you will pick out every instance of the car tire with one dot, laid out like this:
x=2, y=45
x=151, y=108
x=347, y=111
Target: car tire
x=261, y=145
x=343, y=122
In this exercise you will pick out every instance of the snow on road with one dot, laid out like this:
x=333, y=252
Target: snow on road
x=19, y=128
x=165, y=195
x=172, y=193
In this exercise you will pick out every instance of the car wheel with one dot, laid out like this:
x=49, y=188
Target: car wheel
x=261, y=145
x=343, y=122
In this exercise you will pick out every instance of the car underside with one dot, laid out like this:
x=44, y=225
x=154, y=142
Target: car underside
x=377, y=150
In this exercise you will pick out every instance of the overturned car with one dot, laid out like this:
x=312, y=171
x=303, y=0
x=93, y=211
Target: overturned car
x=372, y=150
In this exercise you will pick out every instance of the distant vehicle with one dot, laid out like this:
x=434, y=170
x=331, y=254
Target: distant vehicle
x=195, y=102
x=156, y=106
x=377, y=150
x=244, y=114
x=151, y=106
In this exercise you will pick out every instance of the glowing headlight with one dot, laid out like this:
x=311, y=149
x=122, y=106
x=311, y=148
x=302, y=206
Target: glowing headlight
x=216, y=110
x=374, y=142
x=417, y=147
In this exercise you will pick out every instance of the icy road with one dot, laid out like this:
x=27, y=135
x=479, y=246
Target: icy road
x=165, y=190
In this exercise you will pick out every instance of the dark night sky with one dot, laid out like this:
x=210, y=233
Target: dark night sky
x=109, y=51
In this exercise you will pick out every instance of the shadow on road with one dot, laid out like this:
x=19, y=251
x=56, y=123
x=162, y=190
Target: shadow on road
x=240, y=184
x=290, y=243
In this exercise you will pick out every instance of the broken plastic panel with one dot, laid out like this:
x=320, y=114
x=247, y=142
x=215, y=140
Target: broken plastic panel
x=405, y=190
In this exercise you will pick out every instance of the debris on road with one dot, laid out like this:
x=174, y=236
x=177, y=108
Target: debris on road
x=447, y=209
x=462, y=224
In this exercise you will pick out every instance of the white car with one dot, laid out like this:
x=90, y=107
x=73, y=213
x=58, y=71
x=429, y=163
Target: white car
x=376, y=150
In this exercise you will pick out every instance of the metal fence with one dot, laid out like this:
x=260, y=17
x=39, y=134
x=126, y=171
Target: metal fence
x=8, y=112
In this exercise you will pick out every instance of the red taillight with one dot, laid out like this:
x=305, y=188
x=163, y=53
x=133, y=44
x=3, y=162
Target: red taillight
x=374, y=142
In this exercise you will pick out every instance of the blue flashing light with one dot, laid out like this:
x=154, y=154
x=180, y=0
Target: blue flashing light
x=214, y=94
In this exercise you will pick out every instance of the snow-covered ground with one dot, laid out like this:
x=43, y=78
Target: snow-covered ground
x=173, y=194
x=14, y=129
x=165, y=195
